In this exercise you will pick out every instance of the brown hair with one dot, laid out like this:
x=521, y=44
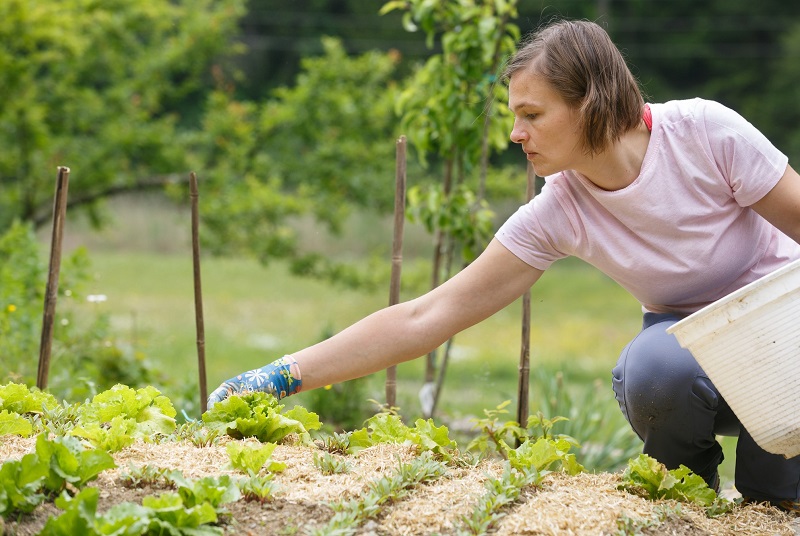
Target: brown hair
x=584, y=66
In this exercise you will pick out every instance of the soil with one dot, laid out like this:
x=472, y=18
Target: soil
x=586, y=504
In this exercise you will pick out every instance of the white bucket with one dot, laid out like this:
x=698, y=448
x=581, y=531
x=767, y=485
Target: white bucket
x=749, y=345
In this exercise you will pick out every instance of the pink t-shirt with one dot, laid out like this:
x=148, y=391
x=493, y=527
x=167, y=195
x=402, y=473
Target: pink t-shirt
x=681, y=235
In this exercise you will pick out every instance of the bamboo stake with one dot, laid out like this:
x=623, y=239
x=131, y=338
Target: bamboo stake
x=525, y=352
x=198, y=294
x=397, y=252
x=51, y=291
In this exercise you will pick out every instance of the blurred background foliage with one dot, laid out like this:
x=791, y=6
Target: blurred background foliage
x=288, y=110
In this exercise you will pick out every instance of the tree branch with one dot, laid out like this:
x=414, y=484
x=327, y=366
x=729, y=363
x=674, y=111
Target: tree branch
x=43, y=215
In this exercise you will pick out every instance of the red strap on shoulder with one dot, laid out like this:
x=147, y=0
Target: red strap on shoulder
x=647, y=115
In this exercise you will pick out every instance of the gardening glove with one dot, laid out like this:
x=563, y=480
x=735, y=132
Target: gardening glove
x=280, y=378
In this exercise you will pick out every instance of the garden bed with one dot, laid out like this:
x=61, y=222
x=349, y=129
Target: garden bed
x=586, y=503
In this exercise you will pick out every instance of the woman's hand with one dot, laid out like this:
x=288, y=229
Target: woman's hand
x=280, y=378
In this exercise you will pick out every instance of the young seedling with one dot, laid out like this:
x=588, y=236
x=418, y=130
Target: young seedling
x=338, y=443
x=501, y=492
x=329, y=464
x=259, y=488
x=197, y=434
x=145, y=475
x=250, y=458
x=350, y=514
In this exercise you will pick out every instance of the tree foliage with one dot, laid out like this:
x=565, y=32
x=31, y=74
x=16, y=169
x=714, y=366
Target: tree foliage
x=318, y=148
x=101, y=87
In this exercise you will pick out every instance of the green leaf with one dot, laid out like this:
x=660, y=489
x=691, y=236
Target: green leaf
x=388, y=428
x=78, y=517
x=359, y=440
x=70, y=462
x=17, y=398
x=690, y=487
x=408, y=23
x=435, y=439
x=213, y=490
x=646, y=473
x=124, y=519
x=111, y=437
x=657, y=482
x=391, y=6
x=150, y=411
x=308, y=420
x=542, y=453
x=258, y=415
x=20, y=484
x=169, y=512
x=250, y=459
x=14, y=424
x=92, y=463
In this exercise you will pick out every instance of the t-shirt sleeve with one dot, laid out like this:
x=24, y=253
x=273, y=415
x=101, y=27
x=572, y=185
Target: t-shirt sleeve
x=751, y=164
x=526, y=235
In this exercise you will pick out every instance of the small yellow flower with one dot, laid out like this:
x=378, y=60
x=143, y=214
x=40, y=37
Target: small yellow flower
x=11, y=308
x=328, y=387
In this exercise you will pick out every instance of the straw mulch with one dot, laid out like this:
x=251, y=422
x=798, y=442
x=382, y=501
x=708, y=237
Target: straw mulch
x=587, y=504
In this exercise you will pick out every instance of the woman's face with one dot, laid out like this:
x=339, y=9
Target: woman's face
x=544, y=124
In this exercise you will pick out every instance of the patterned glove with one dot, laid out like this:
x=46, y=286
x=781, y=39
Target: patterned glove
x=280, y=378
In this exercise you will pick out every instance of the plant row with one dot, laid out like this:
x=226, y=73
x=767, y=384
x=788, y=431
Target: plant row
x=74, y=443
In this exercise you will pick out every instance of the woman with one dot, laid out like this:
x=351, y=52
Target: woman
x=681, y=203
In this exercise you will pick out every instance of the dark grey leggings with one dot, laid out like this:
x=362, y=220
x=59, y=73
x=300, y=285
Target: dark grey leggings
x=676, y=410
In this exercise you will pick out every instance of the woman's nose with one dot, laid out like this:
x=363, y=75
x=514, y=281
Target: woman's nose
x=517, y=135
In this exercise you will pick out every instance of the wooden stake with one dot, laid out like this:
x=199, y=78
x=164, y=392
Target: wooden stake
x=51, y=291
x=397, y=252
x=198, y=294
x=525, y=352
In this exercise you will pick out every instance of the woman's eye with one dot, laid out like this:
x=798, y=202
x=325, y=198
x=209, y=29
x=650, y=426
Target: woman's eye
x=530, y=116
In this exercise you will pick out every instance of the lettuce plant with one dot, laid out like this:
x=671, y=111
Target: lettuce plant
x=251, y=458
x=648, y=475
x=389, y=428
x=260, y=415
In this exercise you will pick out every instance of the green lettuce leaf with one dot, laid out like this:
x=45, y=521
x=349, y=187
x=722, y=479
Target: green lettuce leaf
x=78, y=517
x=17, y=398
x=111, y=437
x=13, y=424
x=150, y=411
x=21, y=483
x=259, y=415
x=651, y=476
x=250, y=459
x=70, y=462
x=169, y=512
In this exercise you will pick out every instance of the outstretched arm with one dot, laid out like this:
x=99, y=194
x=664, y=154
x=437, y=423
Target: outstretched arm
x=411, y=329
x=397, y=333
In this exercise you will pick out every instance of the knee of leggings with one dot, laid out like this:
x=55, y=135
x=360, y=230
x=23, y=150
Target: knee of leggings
x=653, y=398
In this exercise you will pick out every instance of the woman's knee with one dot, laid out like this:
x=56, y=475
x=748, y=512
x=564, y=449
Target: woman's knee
x=655, y=379
x=653, y=366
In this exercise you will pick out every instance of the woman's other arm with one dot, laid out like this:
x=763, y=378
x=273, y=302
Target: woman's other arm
x=781, y=205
